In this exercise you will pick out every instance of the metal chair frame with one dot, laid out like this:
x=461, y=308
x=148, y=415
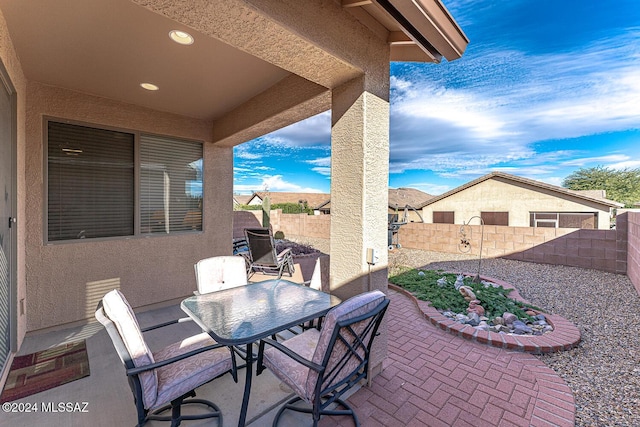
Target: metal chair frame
x=133, y=373
x=326, y=396
x=263, y=256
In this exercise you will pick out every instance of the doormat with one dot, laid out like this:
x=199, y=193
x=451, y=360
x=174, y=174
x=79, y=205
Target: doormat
x=45, y=370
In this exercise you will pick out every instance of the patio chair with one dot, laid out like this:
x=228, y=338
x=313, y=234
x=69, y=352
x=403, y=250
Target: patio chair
x=263, y=256
x=322, y=365
x=220, y=272
x=165, y=379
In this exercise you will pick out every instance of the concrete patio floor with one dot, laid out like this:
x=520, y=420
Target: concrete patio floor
x=430, y=378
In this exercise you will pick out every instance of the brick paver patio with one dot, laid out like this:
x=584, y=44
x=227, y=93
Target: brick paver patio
x=433, y=378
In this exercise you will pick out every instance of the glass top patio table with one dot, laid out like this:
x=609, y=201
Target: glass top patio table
x=245, y=314
x=242, y=315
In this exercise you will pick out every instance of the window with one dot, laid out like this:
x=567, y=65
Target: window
x=564, y=219
x=443, y=217
x=90, y=182
x=495, y=218
x=170, y=185
x=92, y=190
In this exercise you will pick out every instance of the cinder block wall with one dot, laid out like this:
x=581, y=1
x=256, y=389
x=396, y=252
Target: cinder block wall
x=302, y=224
x=633, y=248
x=290, y=224
x=604, y=250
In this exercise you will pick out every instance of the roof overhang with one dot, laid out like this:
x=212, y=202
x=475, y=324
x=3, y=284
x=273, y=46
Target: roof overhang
x=246, y=54
x=419, y=30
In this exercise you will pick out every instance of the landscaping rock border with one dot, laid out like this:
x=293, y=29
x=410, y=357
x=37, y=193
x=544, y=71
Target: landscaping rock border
x=565, y=335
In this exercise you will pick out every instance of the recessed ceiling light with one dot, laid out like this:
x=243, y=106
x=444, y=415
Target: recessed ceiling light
x=181, y=37
x=149, y=86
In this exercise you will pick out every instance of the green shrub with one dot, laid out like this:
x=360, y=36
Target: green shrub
x=278, y=235
x=494, y=299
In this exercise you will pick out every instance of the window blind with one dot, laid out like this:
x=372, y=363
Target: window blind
x=170, y=185
x=90, y=179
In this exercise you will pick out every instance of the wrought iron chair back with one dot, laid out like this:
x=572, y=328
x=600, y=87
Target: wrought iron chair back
x=339, y=361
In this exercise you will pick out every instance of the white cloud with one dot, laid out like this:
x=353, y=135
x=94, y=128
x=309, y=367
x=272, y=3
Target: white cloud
x=274, y=183
x=430, y=188
x=322, y=170
x=487, y=110
x=553, y=180
x=612, y=158
x=241, y=152
x=322, y=165
x=312, y=132
x=322, y=161
x=630, y=164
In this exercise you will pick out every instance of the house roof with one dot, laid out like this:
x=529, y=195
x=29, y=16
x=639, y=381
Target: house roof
x=398, y=198
x=108, y=47
x=314, y=200
x=587, y=196
x=401, y=197
x=242, y=199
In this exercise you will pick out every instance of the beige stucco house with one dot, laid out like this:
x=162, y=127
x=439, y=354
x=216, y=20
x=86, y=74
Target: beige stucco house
x=399, y=201
x=312, y=200
x=503, y=199
x=116, y=159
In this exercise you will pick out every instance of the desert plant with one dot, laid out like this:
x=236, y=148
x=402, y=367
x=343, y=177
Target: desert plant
x=424, y=285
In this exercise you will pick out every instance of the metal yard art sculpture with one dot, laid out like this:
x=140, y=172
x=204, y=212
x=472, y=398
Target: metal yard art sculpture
x=465, y=243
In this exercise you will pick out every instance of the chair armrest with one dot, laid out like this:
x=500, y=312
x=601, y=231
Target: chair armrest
x=295, y=356
x=285, y=252
x=170, y=322
x=152, y=366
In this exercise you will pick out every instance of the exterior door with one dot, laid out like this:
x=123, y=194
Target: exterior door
x=7, y=206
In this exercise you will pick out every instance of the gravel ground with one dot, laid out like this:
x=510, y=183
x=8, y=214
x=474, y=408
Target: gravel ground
x=604, y=370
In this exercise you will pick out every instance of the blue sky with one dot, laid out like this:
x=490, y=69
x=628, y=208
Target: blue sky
x=544, y=88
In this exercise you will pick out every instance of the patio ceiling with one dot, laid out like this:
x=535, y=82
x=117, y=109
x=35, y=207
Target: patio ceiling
x=109, y=47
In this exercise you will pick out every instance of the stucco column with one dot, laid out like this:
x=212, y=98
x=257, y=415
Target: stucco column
x=359, y=188
x=359, y=193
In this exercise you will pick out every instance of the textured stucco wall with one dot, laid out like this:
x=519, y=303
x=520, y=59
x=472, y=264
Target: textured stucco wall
x=12, y=65
x=518, y=200
x=359, y=176
x=64, y=281
x=359, y=182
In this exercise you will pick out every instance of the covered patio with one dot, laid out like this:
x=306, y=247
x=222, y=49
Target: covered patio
x=76, y=226
x=119, y=122
x=430, y=378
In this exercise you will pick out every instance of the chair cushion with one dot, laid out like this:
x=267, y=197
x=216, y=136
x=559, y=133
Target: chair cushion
x=221, y=272
x=288, y=370
x=121, y=314
x=349, y=309
x=180, y=377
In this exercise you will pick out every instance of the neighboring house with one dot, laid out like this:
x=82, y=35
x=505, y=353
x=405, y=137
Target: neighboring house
x=405, y=202
x=313, y=200
x=116, y=150
x=503, y=199
x=399, y=200
x=241, y=199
